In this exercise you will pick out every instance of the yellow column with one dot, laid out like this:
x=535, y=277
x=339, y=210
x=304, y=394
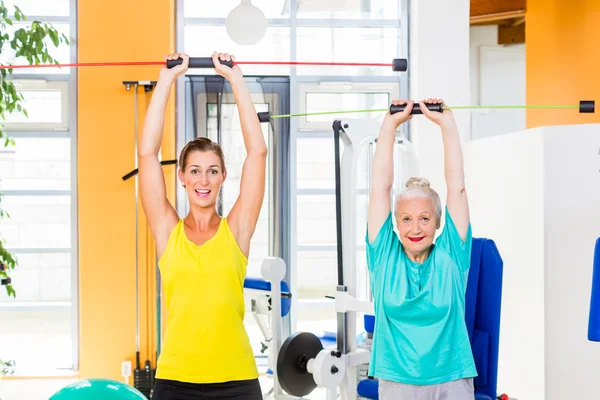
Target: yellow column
x=116, y=30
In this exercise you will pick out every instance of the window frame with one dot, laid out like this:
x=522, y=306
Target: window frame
x=326, y=86
x=41, y=85
x=66, y=83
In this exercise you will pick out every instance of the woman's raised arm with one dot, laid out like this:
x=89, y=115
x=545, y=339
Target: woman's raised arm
x=243, y=217
x=457, y=202
x=383, y=169
x=161, y=215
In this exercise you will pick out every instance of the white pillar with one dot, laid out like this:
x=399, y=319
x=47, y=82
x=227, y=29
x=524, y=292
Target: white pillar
x=439, y=67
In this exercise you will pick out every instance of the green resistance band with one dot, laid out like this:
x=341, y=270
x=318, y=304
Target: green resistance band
x=585, y=106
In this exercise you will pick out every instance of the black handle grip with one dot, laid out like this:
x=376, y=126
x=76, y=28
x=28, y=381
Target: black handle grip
x=135, y=171
x=264, y=116
x=5, y=282
x=399, y=64
x=416, y=108
x=587, y=106
x=198, y=62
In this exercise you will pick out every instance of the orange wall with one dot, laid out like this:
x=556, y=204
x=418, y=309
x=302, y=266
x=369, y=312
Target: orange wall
x=563, y=59
x=138, y=31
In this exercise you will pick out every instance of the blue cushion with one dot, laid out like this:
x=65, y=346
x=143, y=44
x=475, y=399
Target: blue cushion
x=368, y=388
x=487, y=317
x=328, y=339
x=369, y=323
x=481, y=396
x=480, y=347
x=594, y=318
x=473, y=285
x=261, y=284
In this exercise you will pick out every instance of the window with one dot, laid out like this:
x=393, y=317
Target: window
x=220, y=9
x=347, y=44
x=333, y=96
x=62, y=53
x=37, y=178
x=37, y=222
x=47, y=105
x=40, y=8
x=35, y=183
x=349, y=9
x=275, y=46
x=40, y=163
x=306, y=9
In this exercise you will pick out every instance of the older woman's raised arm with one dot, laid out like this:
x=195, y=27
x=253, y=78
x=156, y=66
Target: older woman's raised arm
x=383, y=169
x=457, y=202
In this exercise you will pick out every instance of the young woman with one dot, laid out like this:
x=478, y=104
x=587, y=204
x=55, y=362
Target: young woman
x=202, y=257
x=421, y=348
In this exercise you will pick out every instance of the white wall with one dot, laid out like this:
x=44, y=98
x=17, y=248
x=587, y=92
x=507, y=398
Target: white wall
x=439, y=67
x=504, y=180
x=486, y=35
x=572, y=226
x=526, y=192
x=497, y=78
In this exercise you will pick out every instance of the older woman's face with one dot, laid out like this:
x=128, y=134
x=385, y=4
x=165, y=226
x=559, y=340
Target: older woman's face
x=416, y=222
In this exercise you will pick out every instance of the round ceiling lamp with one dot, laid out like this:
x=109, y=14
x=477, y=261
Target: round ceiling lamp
x=246, y=24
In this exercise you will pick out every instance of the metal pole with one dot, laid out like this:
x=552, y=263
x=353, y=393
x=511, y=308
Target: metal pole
x=135, y=124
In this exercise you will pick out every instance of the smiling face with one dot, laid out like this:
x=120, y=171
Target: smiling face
x=202, y=178
x=416, y=221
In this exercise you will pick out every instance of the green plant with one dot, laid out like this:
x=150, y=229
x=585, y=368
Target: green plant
x=7, y=368
x=31, y=41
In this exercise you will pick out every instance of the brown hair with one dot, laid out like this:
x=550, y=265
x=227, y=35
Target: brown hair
x=201, y=144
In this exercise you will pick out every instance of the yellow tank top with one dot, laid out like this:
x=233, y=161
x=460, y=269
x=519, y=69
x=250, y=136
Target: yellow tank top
x=205, y=339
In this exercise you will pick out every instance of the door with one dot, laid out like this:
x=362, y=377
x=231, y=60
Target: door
x=502, y=82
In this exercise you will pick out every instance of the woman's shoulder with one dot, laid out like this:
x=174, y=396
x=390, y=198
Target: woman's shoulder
x=173, y=236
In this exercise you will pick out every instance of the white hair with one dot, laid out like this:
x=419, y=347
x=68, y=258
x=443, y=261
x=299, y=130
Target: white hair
x=420, y=187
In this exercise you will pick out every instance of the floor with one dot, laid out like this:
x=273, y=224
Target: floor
x=42, y=389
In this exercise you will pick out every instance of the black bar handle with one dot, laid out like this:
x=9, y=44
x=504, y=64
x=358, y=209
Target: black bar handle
x=264, y=116
x=416, y=108
x=399, y=64
x=135, y=171
x=198, y=62
x=587, y=106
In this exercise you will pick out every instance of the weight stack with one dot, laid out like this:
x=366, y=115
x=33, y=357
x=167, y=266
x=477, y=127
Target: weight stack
x=143, y=380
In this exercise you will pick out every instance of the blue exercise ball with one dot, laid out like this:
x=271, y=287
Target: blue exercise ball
x=98, y=389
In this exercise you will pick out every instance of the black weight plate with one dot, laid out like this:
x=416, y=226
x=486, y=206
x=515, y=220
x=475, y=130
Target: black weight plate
x=291, y=363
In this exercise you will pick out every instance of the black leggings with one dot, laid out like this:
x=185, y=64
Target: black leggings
x=174, y=390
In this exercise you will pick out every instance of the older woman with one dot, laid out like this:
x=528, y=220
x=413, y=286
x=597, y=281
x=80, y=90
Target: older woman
x=421, y=348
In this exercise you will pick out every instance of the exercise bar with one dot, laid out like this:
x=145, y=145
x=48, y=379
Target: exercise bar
x=585, y=107
x=397, y=64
